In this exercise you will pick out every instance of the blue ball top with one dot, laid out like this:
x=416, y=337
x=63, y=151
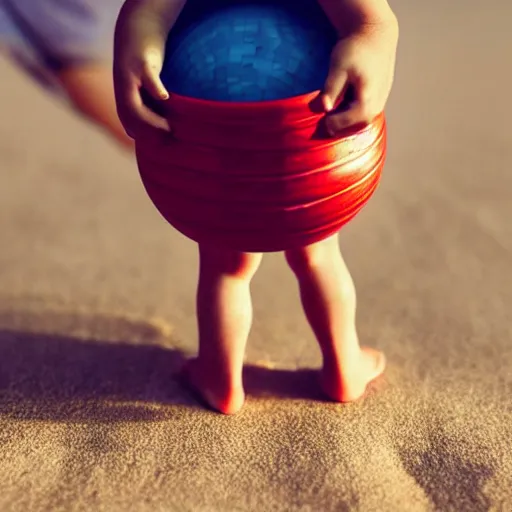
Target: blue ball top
x=240, y=50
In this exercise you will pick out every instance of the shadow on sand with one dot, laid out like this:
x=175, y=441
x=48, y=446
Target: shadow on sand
x=58, y=378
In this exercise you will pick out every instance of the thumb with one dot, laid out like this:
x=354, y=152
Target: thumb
x=150, y=77
x=335, y=85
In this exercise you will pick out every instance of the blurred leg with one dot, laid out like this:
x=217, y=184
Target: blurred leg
x=91, y=90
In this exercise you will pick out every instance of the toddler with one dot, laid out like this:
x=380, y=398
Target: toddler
x=363, y=58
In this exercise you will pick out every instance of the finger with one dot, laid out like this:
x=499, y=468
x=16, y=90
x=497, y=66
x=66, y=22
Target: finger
x=141, y=117
x=334, y=86
x=337, y=123
x=151, y=80
x=354, y=117
x=359, y=111
x=358, y=115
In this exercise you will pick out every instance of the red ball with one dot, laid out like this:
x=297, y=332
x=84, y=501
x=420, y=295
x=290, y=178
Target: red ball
x=255, y=176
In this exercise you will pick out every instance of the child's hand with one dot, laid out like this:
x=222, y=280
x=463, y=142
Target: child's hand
x=141, y=34
x=365, y=60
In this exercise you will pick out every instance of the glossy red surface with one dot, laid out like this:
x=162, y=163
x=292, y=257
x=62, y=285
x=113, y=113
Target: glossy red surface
x=255, y=177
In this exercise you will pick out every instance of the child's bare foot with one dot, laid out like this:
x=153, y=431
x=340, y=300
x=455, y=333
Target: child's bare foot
x=349, y=384
x=222, y=397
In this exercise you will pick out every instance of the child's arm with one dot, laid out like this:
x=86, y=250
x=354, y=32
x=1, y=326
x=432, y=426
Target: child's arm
x=139, y=45
x=363, y=58
x=347, y=14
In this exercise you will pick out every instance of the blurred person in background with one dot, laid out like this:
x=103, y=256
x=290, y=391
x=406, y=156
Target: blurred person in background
x=67, y=46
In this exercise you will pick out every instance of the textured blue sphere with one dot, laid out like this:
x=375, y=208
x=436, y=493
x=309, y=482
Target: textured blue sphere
x=239, y=50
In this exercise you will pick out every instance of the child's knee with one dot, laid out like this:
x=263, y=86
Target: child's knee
x=229, y=263
x=307, y=259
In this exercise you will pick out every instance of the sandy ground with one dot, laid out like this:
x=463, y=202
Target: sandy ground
x=97, y=296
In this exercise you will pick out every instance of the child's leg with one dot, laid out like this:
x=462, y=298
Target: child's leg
x=224, y=313
x=329, y=300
